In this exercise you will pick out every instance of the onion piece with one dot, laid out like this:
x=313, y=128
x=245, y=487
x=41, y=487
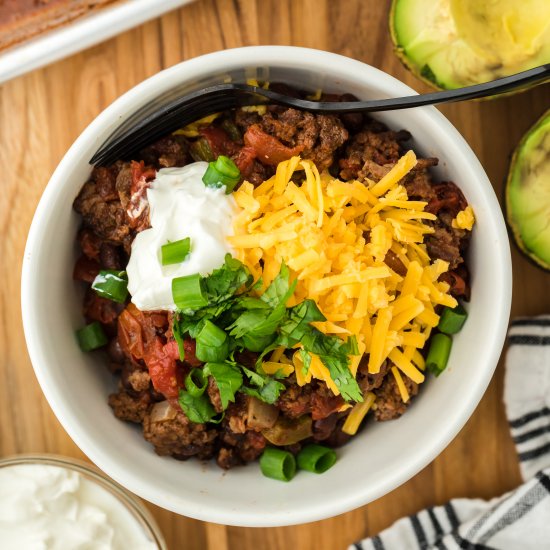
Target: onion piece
x=261, y=415
x=288, y=431
x=163, y=411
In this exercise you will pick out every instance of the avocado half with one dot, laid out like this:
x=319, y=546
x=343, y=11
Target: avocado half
x=528, y=193
x=454, y=43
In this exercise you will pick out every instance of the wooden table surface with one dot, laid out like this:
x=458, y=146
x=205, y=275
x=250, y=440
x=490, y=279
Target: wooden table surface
x=43, y=112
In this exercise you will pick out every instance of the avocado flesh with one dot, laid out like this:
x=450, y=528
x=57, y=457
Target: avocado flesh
x=455, y=43
x=528, y=193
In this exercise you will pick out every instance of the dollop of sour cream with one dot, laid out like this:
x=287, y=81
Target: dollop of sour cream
x=180, y=206
x=46, y=506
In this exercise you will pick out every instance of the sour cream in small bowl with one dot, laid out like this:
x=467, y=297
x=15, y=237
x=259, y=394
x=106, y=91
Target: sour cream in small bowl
x=55, y=502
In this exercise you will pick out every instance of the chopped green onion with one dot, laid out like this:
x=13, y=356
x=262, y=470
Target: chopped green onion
x=211, y=335
x=278, y=464
x=196, y=382
x=222, y=172
x=176, y=252
x=187, y=292
x=316, y=458
x=112, y=285
x=452, y=319
x=438, y=355
x=91, y=337
x=216, y=419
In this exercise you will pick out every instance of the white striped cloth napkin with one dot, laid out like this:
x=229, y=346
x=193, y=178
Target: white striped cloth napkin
x=519, y=520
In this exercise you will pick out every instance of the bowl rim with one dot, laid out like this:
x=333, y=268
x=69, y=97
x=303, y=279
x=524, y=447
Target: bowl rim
x=298, y=58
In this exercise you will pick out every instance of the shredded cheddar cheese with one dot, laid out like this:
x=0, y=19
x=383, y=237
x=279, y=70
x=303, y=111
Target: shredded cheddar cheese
x=464, y=219
x=357, y=414
x=335, y=237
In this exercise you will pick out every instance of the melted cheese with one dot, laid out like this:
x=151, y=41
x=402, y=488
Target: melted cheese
x=334, y=237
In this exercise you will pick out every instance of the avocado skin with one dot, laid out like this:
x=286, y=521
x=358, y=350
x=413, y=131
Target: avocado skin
x=512, y=224
x=400, y=53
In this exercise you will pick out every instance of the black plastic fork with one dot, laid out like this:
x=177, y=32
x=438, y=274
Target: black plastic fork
x=191, y=107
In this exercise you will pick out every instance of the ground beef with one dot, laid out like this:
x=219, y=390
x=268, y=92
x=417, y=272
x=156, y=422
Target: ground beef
x=236, y=415
x=239, y=448
x=369, y=382
x=167, y=152
x=214, y=394
x=389, y=404
x=445, y=244
x=110, y=257
x=90, y=244
x=320, y=135
x=105, y=178
x=85, y=269
x=131, y=408
x=106, y=218
x=295, y=401
x=375, y=143
x=138, y=380
x=180, y=437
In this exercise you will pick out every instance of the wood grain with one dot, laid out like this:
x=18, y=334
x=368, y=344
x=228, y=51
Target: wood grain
x=43, y=112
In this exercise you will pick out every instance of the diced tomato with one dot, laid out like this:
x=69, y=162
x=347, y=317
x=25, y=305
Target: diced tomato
x=219, y=141
x=161, y=362
x=244, y=160
x=130, y=334
x=269, y=150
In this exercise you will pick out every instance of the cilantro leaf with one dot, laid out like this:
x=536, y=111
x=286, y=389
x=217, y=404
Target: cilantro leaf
x=225, y=281
x=258, y=322
x=280, y=290
x=268, y=393
x=255, y=378
x=298, y=322
x=267, y=388
x=228, y=379
x=334, y=354
x=197, y=409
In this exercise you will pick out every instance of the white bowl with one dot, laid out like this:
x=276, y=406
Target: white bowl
x=385, y=454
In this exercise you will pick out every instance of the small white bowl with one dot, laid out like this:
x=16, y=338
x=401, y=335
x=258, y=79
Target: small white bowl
x=382, y=457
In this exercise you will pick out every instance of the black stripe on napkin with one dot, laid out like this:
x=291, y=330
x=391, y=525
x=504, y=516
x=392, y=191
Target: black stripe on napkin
x=377, y=543
x=528, y=417
x=520, y=508
x=528, y=340
x=437, y=526
x=534, y=453
x=531, y=435
x=544, y=480
x=419, y=532
x=531, y=322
